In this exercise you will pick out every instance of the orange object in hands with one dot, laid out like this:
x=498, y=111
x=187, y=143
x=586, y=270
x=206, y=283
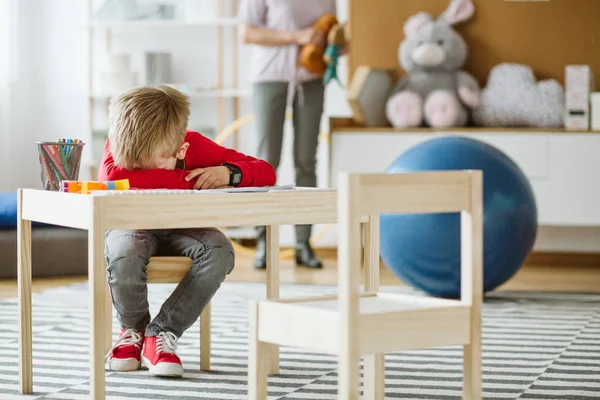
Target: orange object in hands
x=311, y=55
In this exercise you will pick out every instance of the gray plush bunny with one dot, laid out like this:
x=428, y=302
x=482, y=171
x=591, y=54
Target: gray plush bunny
x=435, y=92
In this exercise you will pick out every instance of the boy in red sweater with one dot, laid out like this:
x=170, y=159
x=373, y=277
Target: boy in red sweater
x=149, y=145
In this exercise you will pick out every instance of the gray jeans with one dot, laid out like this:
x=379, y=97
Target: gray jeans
x=270, y=102
x=128, y=253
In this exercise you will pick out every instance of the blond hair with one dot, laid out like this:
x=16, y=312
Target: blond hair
x=145, y=123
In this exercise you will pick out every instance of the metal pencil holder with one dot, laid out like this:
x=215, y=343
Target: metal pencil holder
x=58, y=162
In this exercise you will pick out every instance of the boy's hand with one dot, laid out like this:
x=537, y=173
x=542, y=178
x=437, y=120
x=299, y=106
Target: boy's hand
x=210, y=178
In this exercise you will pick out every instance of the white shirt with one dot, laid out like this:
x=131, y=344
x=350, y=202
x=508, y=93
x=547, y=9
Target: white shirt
x=280, y=63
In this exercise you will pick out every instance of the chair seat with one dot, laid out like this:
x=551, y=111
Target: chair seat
x=167, y=269
x=387, y=322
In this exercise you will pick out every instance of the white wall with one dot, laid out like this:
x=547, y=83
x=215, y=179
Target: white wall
x=6, y=47
x=65, y=78
x=47, y=65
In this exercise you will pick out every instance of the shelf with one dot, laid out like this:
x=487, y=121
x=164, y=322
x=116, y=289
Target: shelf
x=386, y=322
x=208, y=93
x=166, y=23
x=347, y=125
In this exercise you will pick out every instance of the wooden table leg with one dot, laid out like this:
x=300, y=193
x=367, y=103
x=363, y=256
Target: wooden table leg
x=24, y=289
x=273, y=288
x=205, y=338
x=98, y=293
x=108, y=315
x=374, y=364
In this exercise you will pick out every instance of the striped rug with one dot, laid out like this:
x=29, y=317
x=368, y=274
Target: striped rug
x=536, y=346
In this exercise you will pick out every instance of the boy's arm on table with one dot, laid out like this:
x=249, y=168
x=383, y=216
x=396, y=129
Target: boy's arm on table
x=142, y=178
x=255, y=172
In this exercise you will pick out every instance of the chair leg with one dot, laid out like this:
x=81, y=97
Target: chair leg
x=374, y=364
x=348, y=373
x=257, y=359
x=374, y=377
x=205, y=338
x=472, y=370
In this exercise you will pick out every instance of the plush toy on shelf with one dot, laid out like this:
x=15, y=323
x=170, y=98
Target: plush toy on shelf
x=435, y=92
x=311, y=55
x=337, y=38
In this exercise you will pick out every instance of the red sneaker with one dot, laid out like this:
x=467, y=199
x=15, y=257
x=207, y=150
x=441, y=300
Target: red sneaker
x=159, y=355
x=125, y=354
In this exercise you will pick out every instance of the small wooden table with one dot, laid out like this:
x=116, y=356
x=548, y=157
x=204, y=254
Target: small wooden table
x=98, y=213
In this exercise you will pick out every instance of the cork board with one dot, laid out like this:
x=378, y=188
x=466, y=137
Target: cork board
x=547, y=36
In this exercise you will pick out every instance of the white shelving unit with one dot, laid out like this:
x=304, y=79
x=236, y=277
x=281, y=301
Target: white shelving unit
x=200, y=93
x=226, y=21
x=219, y=92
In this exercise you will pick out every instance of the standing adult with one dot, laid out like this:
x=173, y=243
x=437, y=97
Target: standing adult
x=279, y=28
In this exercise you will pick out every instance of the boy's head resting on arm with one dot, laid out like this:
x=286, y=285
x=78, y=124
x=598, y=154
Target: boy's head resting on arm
x=148, y=127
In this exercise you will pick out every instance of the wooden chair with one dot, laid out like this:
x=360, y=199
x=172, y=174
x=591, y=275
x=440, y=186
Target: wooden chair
x=172, y=270
x=373, y=323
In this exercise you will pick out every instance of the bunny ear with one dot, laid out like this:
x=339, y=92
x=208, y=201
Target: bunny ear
x=458, y=11
x=415, y=22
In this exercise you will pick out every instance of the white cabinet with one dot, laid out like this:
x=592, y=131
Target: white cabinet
x=563, y=169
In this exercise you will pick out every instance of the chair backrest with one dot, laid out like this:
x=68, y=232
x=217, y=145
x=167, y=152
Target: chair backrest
x=369, y=195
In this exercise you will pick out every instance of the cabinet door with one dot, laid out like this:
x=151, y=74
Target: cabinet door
x=528, y=150
x=368, y=152
x=572, y=195
x=563, y=169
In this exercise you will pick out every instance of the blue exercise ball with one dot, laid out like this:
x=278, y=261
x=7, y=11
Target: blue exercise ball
x=423, y=250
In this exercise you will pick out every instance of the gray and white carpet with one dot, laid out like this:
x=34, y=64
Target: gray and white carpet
x=535, y=346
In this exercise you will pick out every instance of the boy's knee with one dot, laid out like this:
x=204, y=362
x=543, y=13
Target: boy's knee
x=219, y=253
x=121, y=244
x=127, y=271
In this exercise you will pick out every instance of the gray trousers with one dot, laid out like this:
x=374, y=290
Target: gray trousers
x=128, y=253
x=269, y=102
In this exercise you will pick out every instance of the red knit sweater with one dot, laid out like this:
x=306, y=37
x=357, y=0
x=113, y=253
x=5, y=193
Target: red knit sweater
x=202, y=153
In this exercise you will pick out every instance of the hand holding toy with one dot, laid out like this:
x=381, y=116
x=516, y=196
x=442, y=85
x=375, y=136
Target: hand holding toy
x=311, y=55
x=336, y=39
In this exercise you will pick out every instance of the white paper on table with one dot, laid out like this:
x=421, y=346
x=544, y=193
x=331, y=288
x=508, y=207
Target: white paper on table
x=247, y=189
x=191, y=191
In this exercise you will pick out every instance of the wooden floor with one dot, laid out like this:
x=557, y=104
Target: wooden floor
x=542, y=275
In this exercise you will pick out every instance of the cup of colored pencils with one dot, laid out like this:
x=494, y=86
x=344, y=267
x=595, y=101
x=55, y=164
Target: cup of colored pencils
x=59, y=161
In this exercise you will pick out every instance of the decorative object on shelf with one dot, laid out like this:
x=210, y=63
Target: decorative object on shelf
x=118, y=77
x=435, y=91
x=423, y=249
x=336, y=40
x=579, y=82
x=368, y=93
x=126, y=10
x=200, y=10
x=595, y=111
x=311, y=54
x=513, y=97
x=158, y=68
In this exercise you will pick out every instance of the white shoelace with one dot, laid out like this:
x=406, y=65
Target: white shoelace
x=129, y=337
x=166, y=342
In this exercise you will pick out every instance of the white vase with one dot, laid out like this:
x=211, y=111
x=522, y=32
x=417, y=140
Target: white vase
x=115, y=83
x=200, y=10
x=118, y=63
x=117, y=76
